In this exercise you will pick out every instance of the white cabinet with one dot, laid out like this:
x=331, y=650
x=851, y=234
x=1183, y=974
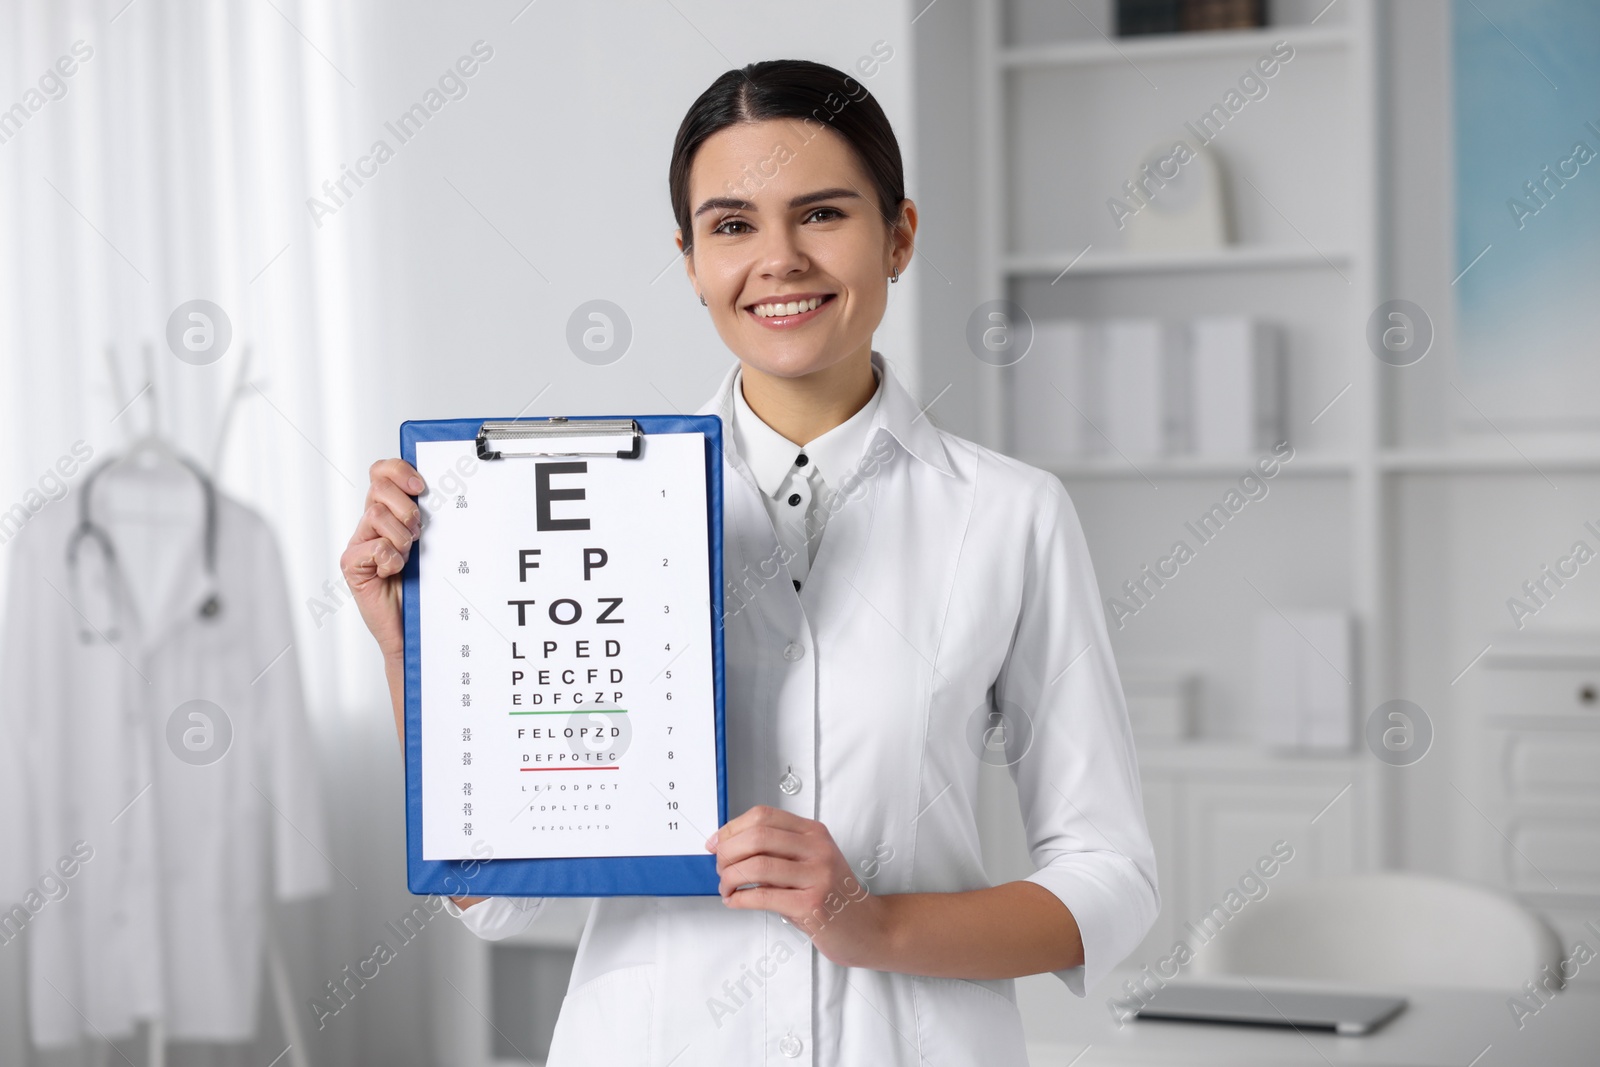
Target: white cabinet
x=498, y=1001
x=1531, y=772
x=1215, y=810
x=1235, y=823
x=1162, y=808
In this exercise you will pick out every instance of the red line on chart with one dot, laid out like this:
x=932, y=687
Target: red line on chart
x=525, y=770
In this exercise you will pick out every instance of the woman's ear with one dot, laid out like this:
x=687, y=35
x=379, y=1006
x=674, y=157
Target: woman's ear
x=904, y=238
x=688, y=257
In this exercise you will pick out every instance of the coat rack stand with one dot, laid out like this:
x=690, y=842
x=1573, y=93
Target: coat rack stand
x=277, y=972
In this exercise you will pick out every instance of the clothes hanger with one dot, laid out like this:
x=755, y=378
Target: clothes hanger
x=152, y=449
x=149, y=452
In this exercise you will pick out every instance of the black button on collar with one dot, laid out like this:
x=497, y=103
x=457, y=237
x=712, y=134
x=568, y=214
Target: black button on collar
x=794, y=498
x=801, y=460
x=796, y=582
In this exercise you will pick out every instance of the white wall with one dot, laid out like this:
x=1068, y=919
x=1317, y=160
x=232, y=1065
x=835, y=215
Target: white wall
x=563, y=147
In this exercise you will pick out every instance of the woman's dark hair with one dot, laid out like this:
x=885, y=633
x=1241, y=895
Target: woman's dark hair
x=792, y=89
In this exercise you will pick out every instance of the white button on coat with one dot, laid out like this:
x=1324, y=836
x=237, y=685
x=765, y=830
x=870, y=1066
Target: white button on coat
x=946, y=568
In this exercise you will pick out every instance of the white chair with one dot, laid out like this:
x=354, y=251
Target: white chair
x=1390, y=929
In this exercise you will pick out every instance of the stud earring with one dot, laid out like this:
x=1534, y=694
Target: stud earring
x=703, y=300
x=894, y=274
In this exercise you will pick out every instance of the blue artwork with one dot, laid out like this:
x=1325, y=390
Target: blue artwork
x=1527, y=137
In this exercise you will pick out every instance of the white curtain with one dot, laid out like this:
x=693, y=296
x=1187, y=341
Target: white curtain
x=172, y=164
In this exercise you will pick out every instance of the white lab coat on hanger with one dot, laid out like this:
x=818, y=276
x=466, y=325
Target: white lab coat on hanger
x=165, y=919
x=951, y=568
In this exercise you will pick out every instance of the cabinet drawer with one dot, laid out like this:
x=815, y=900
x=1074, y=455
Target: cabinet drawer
x=1546, y=854
x=1550, y=767
x=1570, y=692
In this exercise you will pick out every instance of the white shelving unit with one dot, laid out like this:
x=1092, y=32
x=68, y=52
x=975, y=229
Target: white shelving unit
x=1391, y=509
x=1063, y=109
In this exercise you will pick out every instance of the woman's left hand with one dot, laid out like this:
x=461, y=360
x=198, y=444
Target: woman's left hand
x=803, y=877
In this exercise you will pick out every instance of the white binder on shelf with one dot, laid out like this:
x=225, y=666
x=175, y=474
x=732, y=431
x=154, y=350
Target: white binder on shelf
x=1054, y=395
x=1238, y=385
x=1142, y=387
x=1305, y=679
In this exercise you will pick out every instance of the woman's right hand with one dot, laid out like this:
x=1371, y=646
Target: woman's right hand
x=379, y=548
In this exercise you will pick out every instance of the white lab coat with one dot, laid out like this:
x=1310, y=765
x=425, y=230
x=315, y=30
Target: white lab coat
x=165, y=918
x=951, y=569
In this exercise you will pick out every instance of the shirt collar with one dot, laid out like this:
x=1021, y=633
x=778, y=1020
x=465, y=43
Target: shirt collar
x=771, y=455
x=892, y=410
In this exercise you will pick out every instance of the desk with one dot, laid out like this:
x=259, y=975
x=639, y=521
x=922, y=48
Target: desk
x=1438, y=1028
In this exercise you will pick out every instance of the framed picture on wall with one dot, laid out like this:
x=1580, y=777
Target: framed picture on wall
x=1527, y=162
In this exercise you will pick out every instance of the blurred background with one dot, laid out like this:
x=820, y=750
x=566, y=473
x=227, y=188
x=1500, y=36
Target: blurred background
x=1295, y=297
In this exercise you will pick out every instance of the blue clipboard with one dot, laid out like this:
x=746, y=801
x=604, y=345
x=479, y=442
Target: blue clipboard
x=565, y=876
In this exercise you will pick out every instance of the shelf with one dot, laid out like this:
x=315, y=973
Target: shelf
x=1196, y=755
x=1554, y=648
x=1475, y=460
x=1394, y=461
x=1165, y=46
x=1233, y=257
x=1182, y=466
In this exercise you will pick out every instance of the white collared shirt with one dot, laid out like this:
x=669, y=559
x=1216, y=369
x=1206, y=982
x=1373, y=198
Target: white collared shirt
x=953, y=581
x=796, y=481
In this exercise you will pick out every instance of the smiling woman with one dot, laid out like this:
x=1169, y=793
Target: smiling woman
x=792, y=259
x=925, y=606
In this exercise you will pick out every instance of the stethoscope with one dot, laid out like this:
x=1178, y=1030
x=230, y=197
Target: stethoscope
x=87, y=530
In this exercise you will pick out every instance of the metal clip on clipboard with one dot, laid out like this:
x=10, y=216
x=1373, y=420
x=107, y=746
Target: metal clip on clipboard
x=559, y=436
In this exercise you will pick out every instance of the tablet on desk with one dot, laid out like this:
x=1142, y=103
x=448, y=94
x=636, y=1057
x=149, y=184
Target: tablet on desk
x=1344, y=1013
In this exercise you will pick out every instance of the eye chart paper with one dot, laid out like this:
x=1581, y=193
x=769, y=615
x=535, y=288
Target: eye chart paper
x=567, y=696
